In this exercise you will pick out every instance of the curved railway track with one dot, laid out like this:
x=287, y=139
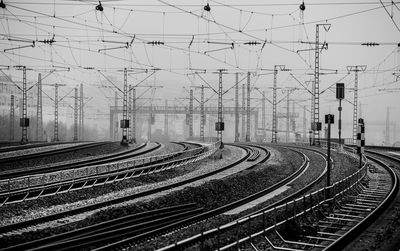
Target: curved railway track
x=47, y=153
x=4, y=149
x=326, y=219
x=78, y=163
x=205, y=215
x=115, y=201
x=24, y=224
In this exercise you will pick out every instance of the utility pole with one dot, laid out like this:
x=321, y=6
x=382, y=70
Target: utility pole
x=116, y=116
x=355, y=69
x=190, y=113
x=55, y=113
x=304, y=124
x=237, y=108
x=82, y=117
x=12, y=115
x=220, y=125
x=125, y=121
x=133, y=126
x=248, y=109
x=288, y=116
x=24, y=122
x=76, y=115
x=315, y=108
x=202, y=115
x=243, y=112
x=129, y=112
x=39, y=111
x=263, y=116
x=387, y=129
x=274, y=102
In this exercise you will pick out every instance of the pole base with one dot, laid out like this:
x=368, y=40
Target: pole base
x=124, y=142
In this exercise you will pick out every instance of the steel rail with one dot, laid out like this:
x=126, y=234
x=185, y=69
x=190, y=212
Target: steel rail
x=50, y=152
x=24, y=224
x=79, y=163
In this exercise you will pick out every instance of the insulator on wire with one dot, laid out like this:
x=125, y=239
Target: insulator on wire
x=2, y=5
x=302, y=6
x=252, y=43
x=99, y=7
x=155, y=42
x=370, y=44
x=207, y=7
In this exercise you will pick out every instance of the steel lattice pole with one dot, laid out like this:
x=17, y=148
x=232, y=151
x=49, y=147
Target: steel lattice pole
x=12, y=118
x=82, y=116
x=129, y=113
x=243, y=112
x=202, y=122
x=274, y=121
x=166, y=122
x=76, y=115
x=55, y=113
x=191, y=113
x=39, y=111
x=24, y=124
x=125, y=123
x=248, y=109
x=237, y=108
x=316, y=135
x=263, y=115
x=133, y=128
x=219, y=132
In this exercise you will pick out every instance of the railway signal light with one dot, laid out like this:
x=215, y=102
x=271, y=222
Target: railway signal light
x=329, y=119
x=340, y=96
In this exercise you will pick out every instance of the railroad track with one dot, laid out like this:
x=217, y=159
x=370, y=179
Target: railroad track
x=20, y=225
x=47, y=153
x=48, y=218
x=4, y=149
x=10, y=174
x=27, y=187
x=200, y=217
x=326, y=219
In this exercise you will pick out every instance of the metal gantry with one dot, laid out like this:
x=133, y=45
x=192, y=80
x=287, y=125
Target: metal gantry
x=39, y=111
x=237, y=108
x=76, y=114
x=248, y=109
x=355, y=69
x=12, y=118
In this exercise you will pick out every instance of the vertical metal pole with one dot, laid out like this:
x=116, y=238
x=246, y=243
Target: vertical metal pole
x=124, y=140
x=129, y=113
x=55, y=113
x=76, y=115
x=82, y=115
x=304, y=124
x=115, y=123
x=316, y=135
x=39, y=111
x=248, y=109
x=243, y=112
x=387, y=128
x=287, y=116
x=328, y=173
x=274, y=119
x=292, y=117
x=219, y=132
x=12, y=118
x=150, y=122
x=355, y=102
x=203, y=116
x=237, y=108
x=340, y=122
x=24, y=109
x=133, y=128
x=166, y=129
x=263, y=117
x=190, y=113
